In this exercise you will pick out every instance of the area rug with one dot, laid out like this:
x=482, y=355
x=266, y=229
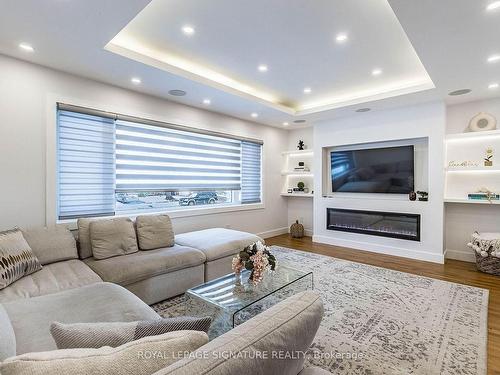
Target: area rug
x=379, y=321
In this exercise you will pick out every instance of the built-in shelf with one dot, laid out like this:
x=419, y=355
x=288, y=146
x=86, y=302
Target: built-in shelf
x=473, y=135
x=297, y=195
x=298, y=173
x=298, y=152
x=471, y=201
x=472, y=169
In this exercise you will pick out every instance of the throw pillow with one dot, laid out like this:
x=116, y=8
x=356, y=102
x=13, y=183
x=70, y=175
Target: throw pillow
x=16, y=257
x=142, y=357
x=96, y=335
x=53, y=244
x=112, y=237
x=154, y=231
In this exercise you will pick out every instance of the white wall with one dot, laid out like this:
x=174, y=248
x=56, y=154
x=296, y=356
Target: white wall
x=422, y=121
x=463, y=219
x=25, y=90
x=300, y=208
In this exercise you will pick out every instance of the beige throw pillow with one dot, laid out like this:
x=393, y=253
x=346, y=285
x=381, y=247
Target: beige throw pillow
x=141, y=357
x=154, y=231
x=16, y=257
x=96, y=335
x=52, y=244
x=112, y=237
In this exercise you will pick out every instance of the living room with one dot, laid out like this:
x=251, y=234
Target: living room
x=211, y=182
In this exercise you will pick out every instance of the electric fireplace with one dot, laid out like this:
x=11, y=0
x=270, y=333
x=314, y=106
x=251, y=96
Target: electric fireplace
x=375, y=223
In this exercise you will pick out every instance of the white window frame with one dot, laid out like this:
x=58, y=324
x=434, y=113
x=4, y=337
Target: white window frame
x=51, y=163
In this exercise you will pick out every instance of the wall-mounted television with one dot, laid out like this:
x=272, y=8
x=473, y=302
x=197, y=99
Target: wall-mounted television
x=387, y=170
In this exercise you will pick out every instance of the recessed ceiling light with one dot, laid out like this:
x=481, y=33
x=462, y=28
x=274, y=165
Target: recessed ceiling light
x=262, y=68
x=376, y=72
x=493, y=58
x=177, y=92
x=26, y=47
x=188, y=30
x=493, y=86
x=307, y=90
x=207, y=101
x=135, y=80
x=340, y=38
x=459, y=92
x=494, y=5
x=299, y=121
x=254, y=115
x=363, y=110
x=286, y=124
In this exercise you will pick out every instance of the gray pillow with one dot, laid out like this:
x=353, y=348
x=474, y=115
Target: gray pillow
x=112, y=237
x=96, y=335
x=16, y=257
x=154, y=231
x=53, y=244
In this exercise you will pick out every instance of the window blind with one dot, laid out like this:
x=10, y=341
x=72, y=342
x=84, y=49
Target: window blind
x=86, y=165
x=251, y=172
x=155, y=158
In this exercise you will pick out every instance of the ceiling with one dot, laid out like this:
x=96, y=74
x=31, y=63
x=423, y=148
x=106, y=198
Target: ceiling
x=423, y=48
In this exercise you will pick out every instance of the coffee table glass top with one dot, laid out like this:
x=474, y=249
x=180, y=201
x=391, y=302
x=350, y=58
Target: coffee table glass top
x=231, y=300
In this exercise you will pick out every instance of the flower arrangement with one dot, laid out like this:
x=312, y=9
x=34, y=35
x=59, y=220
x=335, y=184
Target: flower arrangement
x=256, y=258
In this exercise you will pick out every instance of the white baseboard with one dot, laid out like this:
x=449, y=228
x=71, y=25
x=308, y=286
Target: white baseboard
x=273, y=232
x=466, y=256
x=308, y=232
x=382, y=249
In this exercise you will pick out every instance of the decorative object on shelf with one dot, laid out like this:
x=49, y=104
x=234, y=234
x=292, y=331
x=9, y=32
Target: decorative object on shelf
x=482, y=122
x=488, y=160
x=484, y=194
x=412, y=196
x=486, y=248
x=463, y=164
x=301, y=146
x=289, y=190
x=297, y=230
x=423, y=196
x=300, y=186
x=301, y=167
x=256, y=258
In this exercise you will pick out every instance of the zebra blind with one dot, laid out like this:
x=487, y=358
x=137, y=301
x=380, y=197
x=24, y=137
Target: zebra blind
x=251, y=172
x=155, y=158
x=86, y=165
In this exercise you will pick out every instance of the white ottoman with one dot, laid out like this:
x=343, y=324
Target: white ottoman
x=219, y=245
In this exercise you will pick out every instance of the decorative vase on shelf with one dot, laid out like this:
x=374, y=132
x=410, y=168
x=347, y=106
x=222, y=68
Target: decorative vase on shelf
x=297, y=230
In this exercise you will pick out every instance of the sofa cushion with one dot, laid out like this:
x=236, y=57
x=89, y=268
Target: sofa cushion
x=53, y=244
x=84, y=244
x=7, y=336
x=99, y=302
x=217, y=242
x=287, y=327
x=154, y=231
x=136, y=357
x=16, y=257
x=143, y=265
x=52, y=278
x=97, y=335
x=112, y=237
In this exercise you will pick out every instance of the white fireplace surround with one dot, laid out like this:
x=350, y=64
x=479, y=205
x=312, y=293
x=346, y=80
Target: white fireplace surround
x=423, y=126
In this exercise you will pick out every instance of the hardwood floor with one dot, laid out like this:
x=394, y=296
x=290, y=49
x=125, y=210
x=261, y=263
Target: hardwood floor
x=453, y=270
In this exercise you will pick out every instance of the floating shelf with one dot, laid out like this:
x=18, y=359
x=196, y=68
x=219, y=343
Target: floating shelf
x=472, y=169
x=469, y=201
x=298, y=152
x=297, y=195
x=472, y=135
x=298, y=173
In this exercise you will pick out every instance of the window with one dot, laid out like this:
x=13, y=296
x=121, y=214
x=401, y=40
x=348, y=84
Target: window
x=111, y=164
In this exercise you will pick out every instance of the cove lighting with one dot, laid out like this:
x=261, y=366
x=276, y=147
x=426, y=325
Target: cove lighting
x=26, y=47
x=493, y=58
x=494, y=5
x=136, y=80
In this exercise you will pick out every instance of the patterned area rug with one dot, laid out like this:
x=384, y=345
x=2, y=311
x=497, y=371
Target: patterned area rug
x=379, y=321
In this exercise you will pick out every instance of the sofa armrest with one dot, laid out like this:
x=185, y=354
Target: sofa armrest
x=7, y=336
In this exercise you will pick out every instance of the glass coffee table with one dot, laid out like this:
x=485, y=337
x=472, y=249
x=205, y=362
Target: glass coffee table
x=231, y=300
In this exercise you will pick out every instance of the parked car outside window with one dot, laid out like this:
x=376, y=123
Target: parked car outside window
x=205, y=197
